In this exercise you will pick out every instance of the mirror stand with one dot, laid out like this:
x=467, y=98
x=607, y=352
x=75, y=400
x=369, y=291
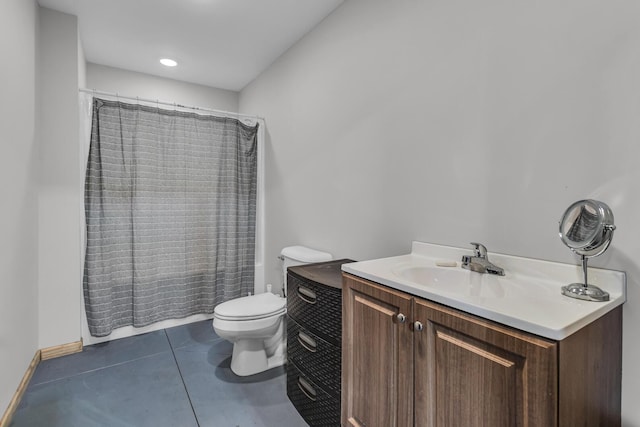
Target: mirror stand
x=584, y=290
x=587, y=229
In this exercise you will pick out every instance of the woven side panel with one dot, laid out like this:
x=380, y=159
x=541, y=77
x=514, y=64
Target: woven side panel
x=321, y=366
x=324, y=318
x=323, y=412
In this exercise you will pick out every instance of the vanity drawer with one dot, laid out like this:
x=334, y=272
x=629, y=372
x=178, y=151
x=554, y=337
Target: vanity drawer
x=317, y=407
x=317, y=307
x=316, y=358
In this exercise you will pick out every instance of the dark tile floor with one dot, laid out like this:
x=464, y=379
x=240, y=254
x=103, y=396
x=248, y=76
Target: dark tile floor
x=173, y=377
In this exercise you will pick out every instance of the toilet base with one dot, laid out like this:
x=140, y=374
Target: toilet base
x=249, y=357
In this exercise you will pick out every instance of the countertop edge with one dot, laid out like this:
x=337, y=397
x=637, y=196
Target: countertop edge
x=520, y=324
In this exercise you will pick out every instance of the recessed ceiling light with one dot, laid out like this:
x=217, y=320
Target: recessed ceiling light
x=168, y=62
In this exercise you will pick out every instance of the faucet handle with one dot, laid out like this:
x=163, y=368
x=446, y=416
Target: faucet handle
x=479, y=250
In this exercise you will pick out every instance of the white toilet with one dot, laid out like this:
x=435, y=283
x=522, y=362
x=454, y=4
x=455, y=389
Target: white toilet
x=255, y=324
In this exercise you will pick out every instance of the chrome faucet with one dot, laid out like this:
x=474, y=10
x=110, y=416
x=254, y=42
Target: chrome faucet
x=479, y=261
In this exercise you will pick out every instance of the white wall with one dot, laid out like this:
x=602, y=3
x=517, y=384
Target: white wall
x=82, y=64
x=131, y=83
x=457, y=121
x=18, y=192
x=59, y=196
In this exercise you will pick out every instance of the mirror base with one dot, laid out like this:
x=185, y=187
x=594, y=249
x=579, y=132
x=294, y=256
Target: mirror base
x=587, y=293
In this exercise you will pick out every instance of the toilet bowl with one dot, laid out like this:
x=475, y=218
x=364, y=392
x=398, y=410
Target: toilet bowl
x=255, y=324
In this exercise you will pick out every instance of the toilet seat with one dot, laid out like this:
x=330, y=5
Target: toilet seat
x=252, y=307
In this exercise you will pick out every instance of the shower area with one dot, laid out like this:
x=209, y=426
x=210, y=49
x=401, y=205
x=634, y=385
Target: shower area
x=172, y=211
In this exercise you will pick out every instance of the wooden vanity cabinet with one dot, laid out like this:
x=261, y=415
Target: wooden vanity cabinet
x=470, y=372
x=411, y=362
x=377, y=356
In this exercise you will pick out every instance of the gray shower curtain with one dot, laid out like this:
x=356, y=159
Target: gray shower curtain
x=170, y=203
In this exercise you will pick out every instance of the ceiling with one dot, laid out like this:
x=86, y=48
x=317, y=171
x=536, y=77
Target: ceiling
x=218, y=43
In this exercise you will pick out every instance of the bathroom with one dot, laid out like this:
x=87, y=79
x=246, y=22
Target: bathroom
x=442, y=122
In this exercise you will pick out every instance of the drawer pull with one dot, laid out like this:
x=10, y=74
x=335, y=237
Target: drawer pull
x=307, y=295
x=307, y=389
x=307, y=342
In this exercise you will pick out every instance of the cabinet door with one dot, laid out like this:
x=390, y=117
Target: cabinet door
x=377, y=356
x=472, y=372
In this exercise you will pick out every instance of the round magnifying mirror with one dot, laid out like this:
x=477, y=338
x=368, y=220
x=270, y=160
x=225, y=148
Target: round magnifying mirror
x=587, y=229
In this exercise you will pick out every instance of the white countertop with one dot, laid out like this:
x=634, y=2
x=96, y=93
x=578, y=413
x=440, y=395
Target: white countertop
x=527, y=297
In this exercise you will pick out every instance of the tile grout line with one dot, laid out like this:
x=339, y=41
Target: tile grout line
x=173, y=353
x=98, y=369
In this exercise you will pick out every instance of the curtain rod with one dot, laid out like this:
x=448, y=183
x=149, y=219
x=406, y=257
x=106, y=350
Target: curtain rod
x=172, y=104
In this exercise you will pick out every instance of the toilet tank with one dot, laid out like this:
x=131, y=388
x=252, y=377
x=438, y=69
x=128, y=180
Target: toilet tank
x=298, y=255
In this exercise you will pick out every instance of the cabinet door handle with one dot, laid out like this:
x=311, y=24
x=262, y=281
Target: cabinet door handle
x=307, y=295
x=307, y=342
x=401, y=318
x=354, y=421
x=306, y=389
x=418, y=326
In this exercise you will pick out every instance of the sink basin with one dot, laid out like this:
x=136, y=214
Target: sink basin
x=452, y=280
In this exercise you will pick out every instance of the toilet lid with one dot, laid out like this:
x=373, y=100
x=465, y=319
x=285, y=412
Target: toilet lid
x=251, y=308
